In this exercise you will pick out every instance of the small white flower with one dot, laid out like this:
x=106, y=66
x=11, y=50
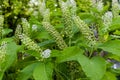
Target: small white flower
x=15, y=17
x=35, y=13
x=55, y=5
x=116, y=66
x=73, y=2
x=55, y=10
x=46, y=53
x=34, y=27
x=31, y=9
x=100, y=6
x=33, y=2
x=1, y=19
x=24, y=19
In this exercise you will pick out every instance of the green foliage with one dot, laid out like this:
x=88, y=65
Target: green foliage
x=26, y=73
x=43, y=71
x=59, y=40
x=110, y=46
x=94, y=68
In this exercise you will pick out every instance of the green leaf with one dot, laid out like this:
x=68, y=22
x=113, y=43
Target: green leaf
x=87, y=17
x=94, y=68
x=1, y=75
x=55, y=53
x=26, y=72
x=11, y=53
x=6, y=31
x=43, y=71
x=32, y=53
x=112, y=46
x=47, y=42
x=10, y=58
x=43, y=35
x=6, y=40
x=115, y=24
x=109, y=76
x=70, y=53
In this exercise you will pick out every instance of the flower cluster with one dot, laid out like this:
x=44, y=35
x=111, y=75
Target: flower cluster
x=2, y=52
x=85, y=30
x=99, y=5
x=46, y=53
x=44, y=12
x=33, y=3
x=18, y=31
x=107, y=20
x=67, y=16
x=34, y=27
x=1, y=25
x=25, y=26
x=115, y=8
x=59, y=40
x=31, y=45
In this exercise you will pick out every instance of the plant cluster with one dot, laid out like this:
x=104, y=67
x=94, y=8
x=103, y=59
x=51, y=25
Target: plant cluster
x=59, y=40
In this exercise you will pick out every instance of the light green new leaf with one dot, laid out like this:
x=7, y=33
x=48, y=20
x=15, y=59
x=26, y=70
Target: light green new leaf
x=43, y=71
x=70, y=53
x=112, y=46
x=26, y=72
x=94, y=68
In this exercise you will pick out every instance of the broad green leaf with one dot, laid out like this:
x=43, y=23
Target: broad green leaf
x=6, y=40
x=112, y=46
x=109, y=76
x=1, y=75
x=94, y=68
x=26, y=72
x=11, y=53
x=11, y=56
x=70, y=53
x=43, y=71
x=55, y=53
x=6, y=31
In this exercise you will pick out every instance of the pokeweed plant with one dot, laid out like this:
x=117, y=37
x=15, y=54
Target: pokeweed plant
x=73, y=46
